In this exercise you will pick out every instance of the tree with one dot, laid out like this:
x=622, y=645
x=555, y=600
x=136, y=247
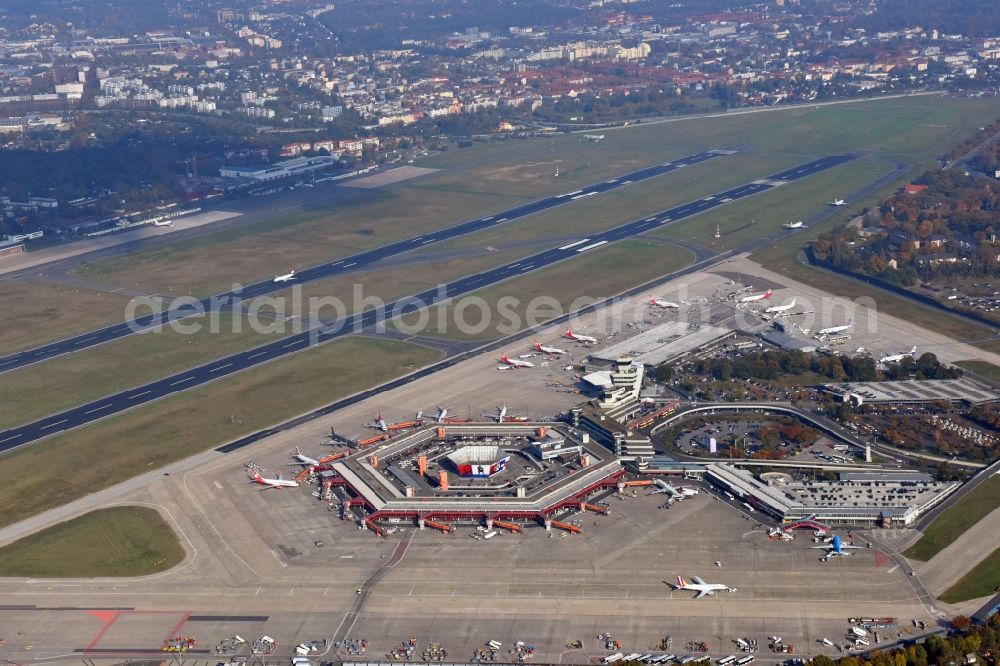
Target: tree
x=961, y=622
x=664, y=372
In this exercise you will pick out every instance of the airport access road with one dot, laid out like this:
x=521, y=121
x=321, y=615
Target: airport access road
x=357, y=262
x=219, y=368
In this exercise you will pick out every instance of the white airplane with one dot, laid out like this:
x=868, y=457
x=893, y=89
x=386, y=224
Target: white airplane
x=442, y=414
x=579, y=338
x=380, y=423
x=163, y=223
x=753, y=298
x=273, y=483
x=660, y=303
x=835, y=329
x=303, y=459
x=701, y=587
x=548, y=350
x=515, y=362
x=835, y=548
x=782, y=308
x=836, y=202
x=501, y=413
x=287, y=277
x=895, y=358
x=794, y=225
x=664, y=487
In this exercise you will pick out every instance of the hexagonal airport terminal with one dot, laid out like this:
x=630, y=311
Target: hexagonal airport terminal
x=475, y=472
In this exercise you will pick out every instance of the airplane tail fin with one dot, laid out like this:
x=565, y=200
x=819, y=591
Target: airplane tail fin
x=681, y=583
x=767, y=294
x=913, y=352
x=503, y=357
x=792, y=303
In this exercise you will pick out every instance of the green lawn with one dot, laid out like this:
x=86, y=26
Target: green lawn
x=590, y=277
x=955, y=521
x=982, y=581
x=981, y=368
x=120, y=541
x=60, y=469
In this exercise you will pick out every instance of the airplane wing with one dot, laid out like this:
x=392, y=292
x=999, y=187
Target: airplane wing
x=843, y=547
x=703, y=593
x=697, y=580
x=825, y=546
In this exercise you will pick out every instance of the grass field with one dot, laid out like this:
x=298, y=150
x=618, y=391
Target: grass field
x=67, y=381
x=591, y=277
x=982, y=581
x=981, y=368
x=63, y=468
x=956, y=520
x=119, y=541
x=45, y=312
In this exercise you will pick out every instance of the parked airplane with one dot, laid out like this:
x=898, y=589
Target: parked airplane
x=835, y=548
x=548, y=350
x=303, y=459
x=782, y=308
x=836, y=202
x=579, y=337
x=701, y=587
x=163, y=223
x=273, y=483
x=794, y=225
x=753, y=298
x=895, y=358
x=287, y=277
x=380, y=423
x=660, y=303
x=515, y=362
x=664, y=487
x=835, y=329
x=442, y=414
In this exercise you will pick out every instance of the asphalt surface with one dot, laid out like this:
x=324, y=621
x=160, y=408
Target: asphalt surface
x=357, y=322
x=227, y=299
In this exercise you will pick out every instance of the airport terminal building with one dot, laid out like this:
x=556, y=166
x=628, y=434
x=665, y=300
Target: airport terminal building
x=856, y=498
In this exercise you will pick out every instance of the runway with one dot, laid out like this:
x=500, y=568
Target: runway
x=360, y=261
x=208, y=372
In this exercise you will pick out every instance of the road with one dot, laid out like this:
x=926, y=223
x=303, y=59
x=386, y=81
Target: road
x=354, y=263
x=219, y=368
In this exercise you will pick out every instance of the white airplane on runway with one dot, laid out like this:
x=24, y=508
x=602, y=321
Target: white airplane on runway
x=835, y=329
x=895, y=358
x=163, y=223
x=660, y=303
x=586, y=339
x=287, y=277
x=273, y=483
x=793, y=225
x=753, y=298
x=548, y=350
x=515, y=362
x=701, y=587
x=303, y=459
x=781, y=308
x=835, y=202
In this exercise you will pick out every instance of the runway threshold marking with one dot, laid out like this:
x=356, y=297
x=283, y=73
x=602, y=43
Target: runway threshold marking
x=108, y=618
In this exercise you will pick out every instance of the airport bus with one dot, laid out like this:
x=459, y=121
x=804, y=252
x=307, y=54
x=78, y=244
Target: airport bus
x=612, y=658
x=725, y=661
x=748, y=507
x=743, y=661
